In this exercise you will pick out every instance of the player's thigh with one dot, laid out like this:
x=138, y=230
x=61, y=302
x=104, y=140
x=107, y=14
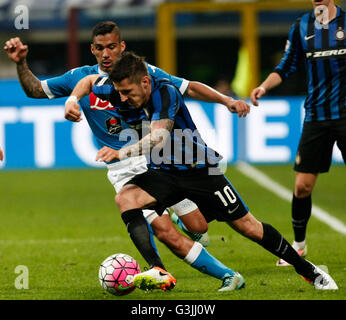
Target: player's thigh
x=195, y=221
x=131, y=197
x=191, y=216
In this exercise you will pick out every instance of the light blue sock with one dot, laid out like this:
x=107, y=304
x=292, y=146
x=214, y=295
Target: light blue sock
x=200, y=259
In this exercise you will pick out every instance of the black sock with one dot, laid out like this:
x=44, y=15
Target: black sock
x=138, y=230
x=301, y=212
x=275, y=243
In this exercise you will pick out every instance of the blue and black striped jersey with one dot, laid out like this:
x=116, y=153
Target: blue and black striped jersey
x=185, y=149
x=323, y=49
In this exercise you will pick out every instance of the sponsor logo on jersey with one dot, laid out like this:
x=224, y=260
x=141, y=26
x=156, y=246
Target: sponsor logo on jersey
x=326, y=53
x=99, y=104
x=113, y=125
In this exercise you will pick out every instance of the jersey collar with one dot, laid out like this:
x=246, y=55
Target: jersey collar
x=101, y=72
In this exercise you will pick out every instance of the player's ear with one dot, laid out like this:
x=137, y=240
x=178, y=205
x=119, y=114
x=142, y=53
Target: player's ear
x=92, y=49
x=145, y=82
x=122, y=46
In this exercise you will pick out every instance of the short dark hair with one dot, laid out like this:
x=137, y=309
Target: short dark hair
x=105, y=27
x=129, y=66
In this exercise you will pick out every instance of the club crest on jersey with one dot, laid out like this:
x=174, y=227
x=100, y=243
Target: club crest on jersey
x=340, y=34
x=99, y=104
x=113, y=125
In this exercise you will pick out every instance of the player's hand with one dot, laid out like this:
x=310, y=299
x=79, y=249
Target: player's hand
x=238, y=106
x=107, y=154
x=1, y=155
x=257, y=93
x=72, y=111
x=16, y=50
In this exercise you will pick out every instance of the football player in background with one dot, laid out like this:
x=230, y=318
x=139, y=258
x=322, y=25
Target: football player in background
x=318, y=39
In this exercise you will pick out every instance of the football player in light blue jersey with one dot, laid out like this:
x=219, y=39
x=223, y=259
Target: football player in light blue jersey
x=107, y=47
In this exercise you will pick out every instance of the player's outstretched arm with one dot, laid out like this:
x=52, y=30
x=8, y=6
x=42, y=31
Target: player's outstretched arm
x=82, y=89
x=84, y=86
x=17, y=52
x=199, y=91
x=272, y=81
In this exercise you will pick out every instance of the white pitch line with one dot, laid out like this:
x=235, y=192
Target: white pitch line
x=282, y=192
x=57, y=241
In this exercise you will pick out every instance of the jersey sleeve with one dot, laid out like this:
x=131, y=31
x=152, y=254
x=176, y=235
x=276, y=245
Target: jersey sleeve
x=60, y=86
x=103, y=88
x=180, y=83
x=165, y=102
x=293, y=53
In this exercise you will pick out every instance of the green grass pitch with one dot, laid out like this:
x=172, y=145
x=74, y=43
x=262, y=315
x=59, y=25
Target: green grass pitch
x=61, y=224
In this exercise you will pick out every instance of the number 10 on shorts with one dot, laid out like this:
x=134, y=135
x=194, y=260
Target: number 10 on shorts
x=227, y=194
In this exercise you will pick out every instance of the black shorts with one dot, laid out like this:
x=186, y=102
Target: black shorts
x=213, y=194
x=316, y=144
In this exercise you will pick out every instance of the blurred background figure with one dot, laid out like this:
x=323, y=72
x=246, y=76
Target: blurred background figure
x=223, y=85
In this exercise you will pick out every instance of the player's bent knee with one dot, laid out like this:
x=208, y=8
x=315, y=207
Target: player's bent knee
x=195, y=222
x=302, y=190
x=249, y=227
x=126, y=200
x=304, y=184
x=253, y=232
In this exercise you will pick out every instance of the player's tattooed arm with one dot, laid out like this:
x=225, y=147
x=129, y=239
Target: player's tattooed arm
x=160, y=131
x=17, y=52
x=29, y=82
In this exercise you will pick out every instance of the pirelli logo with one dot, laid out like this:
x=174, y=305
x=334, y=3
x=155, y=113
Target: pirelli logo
x=325, y=54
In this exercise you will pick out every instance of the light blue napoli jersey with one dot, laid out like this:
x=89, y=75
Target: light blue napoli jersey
x=100, y=114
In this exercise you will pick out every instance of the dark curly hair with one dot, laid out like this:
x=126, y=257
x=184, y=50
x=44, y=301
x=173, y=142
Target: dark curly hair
x=105, y=27
x=129, y=66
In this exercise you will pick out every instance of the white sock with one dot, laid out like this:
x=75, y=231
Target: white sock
x=193, y=253
x=298, y=245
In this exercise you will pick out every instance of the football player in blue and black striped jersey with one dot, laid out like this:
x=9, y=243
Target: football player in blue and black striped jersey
x=319, y=40
x=182, y=165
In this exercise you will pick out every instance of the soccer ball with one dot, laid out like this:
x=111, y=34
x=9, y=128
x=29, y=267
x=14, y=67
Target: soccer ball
x=116, y=274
